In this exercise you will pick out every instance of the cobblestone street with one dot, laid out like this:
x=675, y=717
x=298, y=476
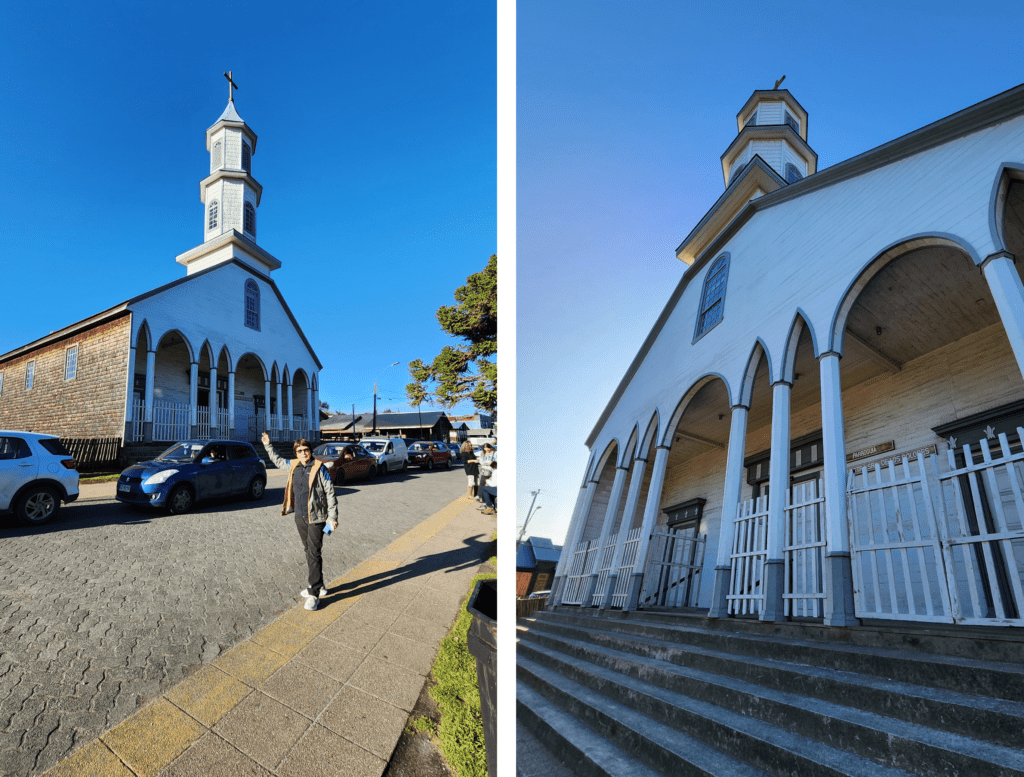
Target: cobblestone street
x=108, y=607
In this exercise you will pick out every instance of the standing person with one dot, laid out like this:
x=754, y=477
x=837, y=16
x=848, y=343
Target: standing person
x=309, y=493
x=487, y=457
x=470, y=464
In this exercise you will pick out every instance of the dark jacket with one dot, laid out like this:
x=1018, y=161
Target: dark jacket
x=323, y=505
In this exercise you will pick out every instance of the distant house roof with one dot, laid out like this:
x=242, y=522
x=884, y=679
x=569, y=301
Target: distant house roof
x=339, y=422
x=524, y=556
x=405, y=420
x=535, y=551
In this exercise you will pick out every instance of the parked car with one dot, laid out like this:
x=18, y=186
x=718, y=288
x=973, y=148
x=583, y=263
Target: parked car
x=391, y=452
x=454, y=448
x=539, y=595
x=37, y=474
x=191, y=471
x=358, y=463
x=428, y=455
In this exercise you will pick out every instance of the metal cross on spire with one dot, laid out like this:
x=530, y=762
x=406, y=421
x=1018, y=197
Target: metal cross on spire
x=231, y=97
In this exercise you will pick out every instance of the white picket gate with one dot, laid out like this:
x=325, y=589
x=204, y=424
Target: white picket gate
x=749, y=552
x=603, y=569
x=203, y=423
x=626, y=567
x=803, y=548
x=672, y=577
x=136, y=431
x=172, y=421
x=580, y=566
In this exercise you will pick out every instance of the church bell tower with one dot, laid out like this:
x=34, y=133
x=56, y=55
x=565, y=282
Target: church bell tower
x=230, y=196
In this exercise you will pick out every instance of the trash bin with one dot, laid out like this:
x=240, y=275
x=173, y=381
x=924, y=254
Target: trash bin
x=482, y=642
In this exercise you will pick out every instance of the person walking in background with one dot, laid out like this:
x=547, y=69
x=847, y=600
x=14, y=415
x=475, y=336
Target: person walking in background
x=470, y=465
x=487, y=457
x=489, y=493
x=309, y=493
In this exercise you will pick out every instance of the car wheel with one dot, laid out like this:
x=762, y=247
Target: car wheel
x=405, y=466
x=339, y=479
x=38, y=505
x=430, y=463
x=180, y=499
x=373, y=472
x=448, y=463
x=383, y=471
x=256, y=489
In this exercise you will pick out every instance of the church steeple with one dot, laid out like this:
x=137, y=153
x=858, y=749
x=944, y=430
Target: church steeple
x=230, y=196
x=230, y=193
x=772, y=125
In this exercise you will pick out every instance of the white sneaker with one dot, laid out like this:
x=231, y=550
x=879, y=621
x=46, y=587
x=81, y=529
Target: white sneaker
x=311, y=602
x=305, y=592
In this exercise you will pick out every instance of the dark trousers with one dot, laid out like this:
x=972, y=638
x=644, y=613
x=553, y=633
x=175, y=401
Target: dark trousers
x=489, y=495
x=312, y=536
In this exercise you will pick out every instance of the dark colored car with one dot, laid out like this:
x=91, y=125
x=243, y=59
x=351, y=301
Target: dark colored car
x=346, y=461
x=193, y=470
x=428, y=455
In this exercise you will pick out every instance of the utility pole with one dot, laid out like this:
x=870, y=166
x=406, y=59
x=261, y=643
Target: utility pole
x=529, y=514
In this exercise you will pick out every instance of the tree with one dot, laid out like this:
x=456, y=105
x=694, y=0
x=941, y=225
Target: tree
x=464, y=371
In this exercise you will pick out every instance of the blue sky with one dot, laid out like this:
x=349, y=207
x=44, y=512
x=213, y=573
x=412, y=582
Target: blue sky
x=376, y=125
x=624, y=110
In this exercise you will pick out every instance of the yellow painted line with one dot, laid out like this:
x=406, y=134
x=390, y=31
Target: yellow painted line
x=151, y=738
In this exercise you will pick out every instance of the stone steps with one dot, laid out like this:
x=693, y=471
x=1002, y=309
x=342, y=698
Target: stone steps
x=780, y=704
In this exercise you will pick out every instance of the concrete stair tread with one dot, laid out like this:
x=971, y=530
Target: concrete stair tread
x=884, y=727
x=972, y=701
x=701, y=755
x=768, y=736
x=774, y=640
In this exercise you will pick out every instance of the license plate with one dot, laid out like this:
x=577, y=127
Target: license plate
x=123, y=487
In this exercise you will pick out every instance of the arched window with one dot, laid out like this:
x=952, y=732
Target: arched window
x=712, y=300
x=792, y=174
x=217, y=155
x=252, y=305
x=246, y=157
x=212, y=222
x=250, y=219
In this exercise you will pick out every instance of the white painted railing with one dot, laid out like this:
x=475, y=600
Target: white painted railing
x=803, y=551
x=673, y=574
x=580, y=565
x=749, y=553
x=172, y=421
x=602, y=574
x=203, y=423
x=136, y=426
x=223, y=423
x=625, y=571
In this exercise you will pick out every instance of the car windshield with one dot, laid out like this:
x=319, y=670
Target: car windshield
x=183, y=451
x=329, y=451
x=420, y=446
x=374, y=447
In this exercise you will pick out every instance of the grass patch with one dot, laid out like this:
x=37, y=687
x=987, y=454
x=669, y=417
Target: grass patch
x=97, y=478
x=422, y=724
x=461, y=730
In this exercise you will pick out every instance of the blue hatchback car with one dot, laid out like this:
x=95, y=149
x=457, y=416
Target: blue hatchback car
x=193, y=470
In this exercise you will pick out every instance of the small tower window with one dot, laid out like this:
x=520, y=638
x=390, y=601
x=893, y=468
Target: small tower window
x=71, y=363
x=712, y=300
x=751, y=120
x=792, y=174
x=792, y=123
x=252, y=305
x=246, y=158
x=250, y=219
x=218, y=155
x=30, y=372
x=212, y=223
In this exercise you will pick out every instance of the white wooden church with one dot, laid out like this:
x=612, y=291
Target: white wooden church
x=216, y=353
x=825, y=420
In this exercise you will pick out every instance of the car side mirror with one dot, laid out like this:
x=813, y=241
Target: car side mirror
x=209, y=460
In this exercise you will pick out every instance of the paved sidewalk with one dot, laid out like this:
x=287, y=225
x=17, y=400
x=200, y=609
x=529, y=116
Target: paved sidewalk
x=312, y=693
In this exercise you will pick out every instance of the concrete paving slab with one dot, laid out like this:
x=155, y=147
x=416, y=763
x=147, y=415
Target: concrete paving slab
x=262, y=728
x=302, y=688
x=372, y=724
x=393, y=684
x=357, y=633
x=322, y=753
x=208, y=695
x=419, y=629
x=94, y=759
x=332, y=659
x=405, y=653
x=284, y=638
x=153, y=737
x=251, y=663
x=211, y=756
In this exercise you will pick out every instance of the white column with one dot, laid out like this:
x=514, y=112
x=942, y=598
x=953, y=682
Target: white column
x=730, y=502
x=231, y=401
x=314, y=428
x=618, y=484
x=576, y=524
x=778, y=486
x=651, y=508
x=291, y=410
x=193, y=394
x=280, y=408
x=1008, y=293
x=636, y=480
x=309, y=409
x=213, y=400
x=266, y=404
x=130, y=398
x=837, y=569
x=150, y=370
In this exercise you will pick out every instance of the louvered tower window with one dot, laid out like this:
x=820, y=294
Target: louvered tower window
x=712, y=300
x=218, y=155
x=250, y=219
x=252, y=305
x=246, y=158
x=212, y=223
x=792, y=174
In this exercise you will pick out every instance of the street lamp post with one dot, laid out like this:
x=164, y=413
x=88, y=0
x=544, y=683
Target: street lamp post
x=375, y=397
x=529, y=514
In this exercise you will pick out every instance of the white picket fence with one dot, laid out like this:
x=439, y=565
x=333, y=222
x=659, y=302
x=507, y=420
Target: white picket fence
x=673, y=574
x=626, y=567
x=136, y=425
x=172, y=421
x=749, y=552
x=803, y=551
x=581, y=565
x=603, y=569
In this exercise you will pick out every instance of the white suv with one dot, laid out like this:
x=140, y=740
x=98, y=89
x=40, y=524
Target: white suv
x=391, y=452
x=37, y=473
